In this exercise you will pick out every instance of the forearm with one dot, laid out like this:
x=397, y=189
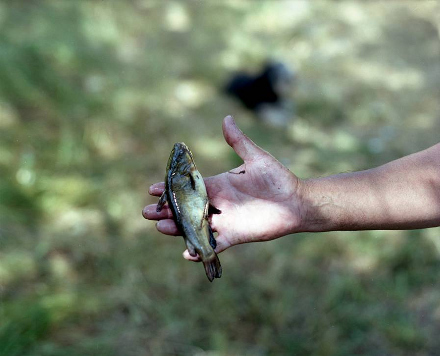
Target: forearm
x=403, y=194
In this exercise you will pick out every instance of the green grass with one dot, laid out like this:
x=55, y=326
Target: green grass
x=92, y=97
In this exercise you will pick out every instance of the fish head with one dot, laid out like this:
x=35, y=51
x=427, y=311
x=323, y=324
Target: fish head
x=181, y=159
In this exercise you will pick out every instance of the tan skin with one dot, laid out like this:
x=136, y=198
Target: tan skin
x=262, y=200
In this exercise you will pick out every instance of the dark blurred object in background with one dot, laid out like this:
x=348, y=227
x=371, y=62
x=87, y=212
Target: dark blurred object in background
x=267, y=94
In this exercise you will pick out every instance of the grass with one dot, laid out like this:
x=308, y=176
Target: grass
x=92, y=97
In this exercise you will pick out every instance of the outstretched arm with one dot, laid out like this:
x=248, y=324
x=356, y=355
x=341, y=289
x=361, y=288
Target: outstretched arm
x=402, y=194
x=266, y=201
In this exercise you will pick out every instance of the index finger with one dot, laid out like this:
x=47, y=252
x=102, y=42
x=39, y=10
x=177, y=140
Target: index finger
x=156, y=189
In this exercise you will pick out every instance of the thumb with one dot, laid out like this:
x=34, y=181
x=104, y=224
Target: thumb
x=242, y=145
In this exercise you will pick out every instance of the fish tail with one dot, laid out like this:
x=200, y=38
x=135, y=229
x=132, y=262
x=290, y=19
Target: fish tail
x=212, y=267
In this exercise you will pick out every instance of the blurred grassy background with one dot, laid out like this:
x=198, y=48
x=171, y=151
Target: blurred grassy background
x=93, y=95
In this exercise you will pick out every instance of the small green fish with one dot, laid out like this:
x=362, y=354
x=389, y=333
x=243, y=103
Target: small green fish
x=186, y=195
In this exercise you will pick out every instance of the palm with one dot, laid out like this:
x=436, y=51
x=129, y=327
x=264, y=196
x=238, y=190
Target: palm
x=256, y=204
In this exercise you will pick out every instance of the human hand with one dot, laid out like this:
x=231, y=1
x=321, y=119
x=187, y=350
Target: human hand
x=259, y=200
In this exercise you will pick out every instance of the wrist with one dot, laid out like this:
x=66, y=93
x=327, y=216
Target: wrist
x=303, y=195
x=313, y=205
x=337, y=202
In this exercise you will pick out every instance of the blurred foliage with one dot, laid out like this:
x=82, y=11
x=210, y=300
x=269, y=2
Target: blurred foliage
x=92, y=97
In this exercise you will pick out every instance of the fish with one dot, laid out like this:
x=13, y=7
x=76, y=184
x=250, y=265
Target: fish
x=186, y=196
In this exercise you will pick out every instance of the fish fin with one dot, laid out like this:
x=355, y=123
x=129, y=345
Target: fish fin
x=213, y=268
x=212, y=240
x=213, y=210
x=162, y=201
x=193, y=182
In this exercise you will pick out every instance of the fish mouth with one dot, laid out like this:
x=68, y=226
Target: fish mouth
x=180, y=147
x=181, y=150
